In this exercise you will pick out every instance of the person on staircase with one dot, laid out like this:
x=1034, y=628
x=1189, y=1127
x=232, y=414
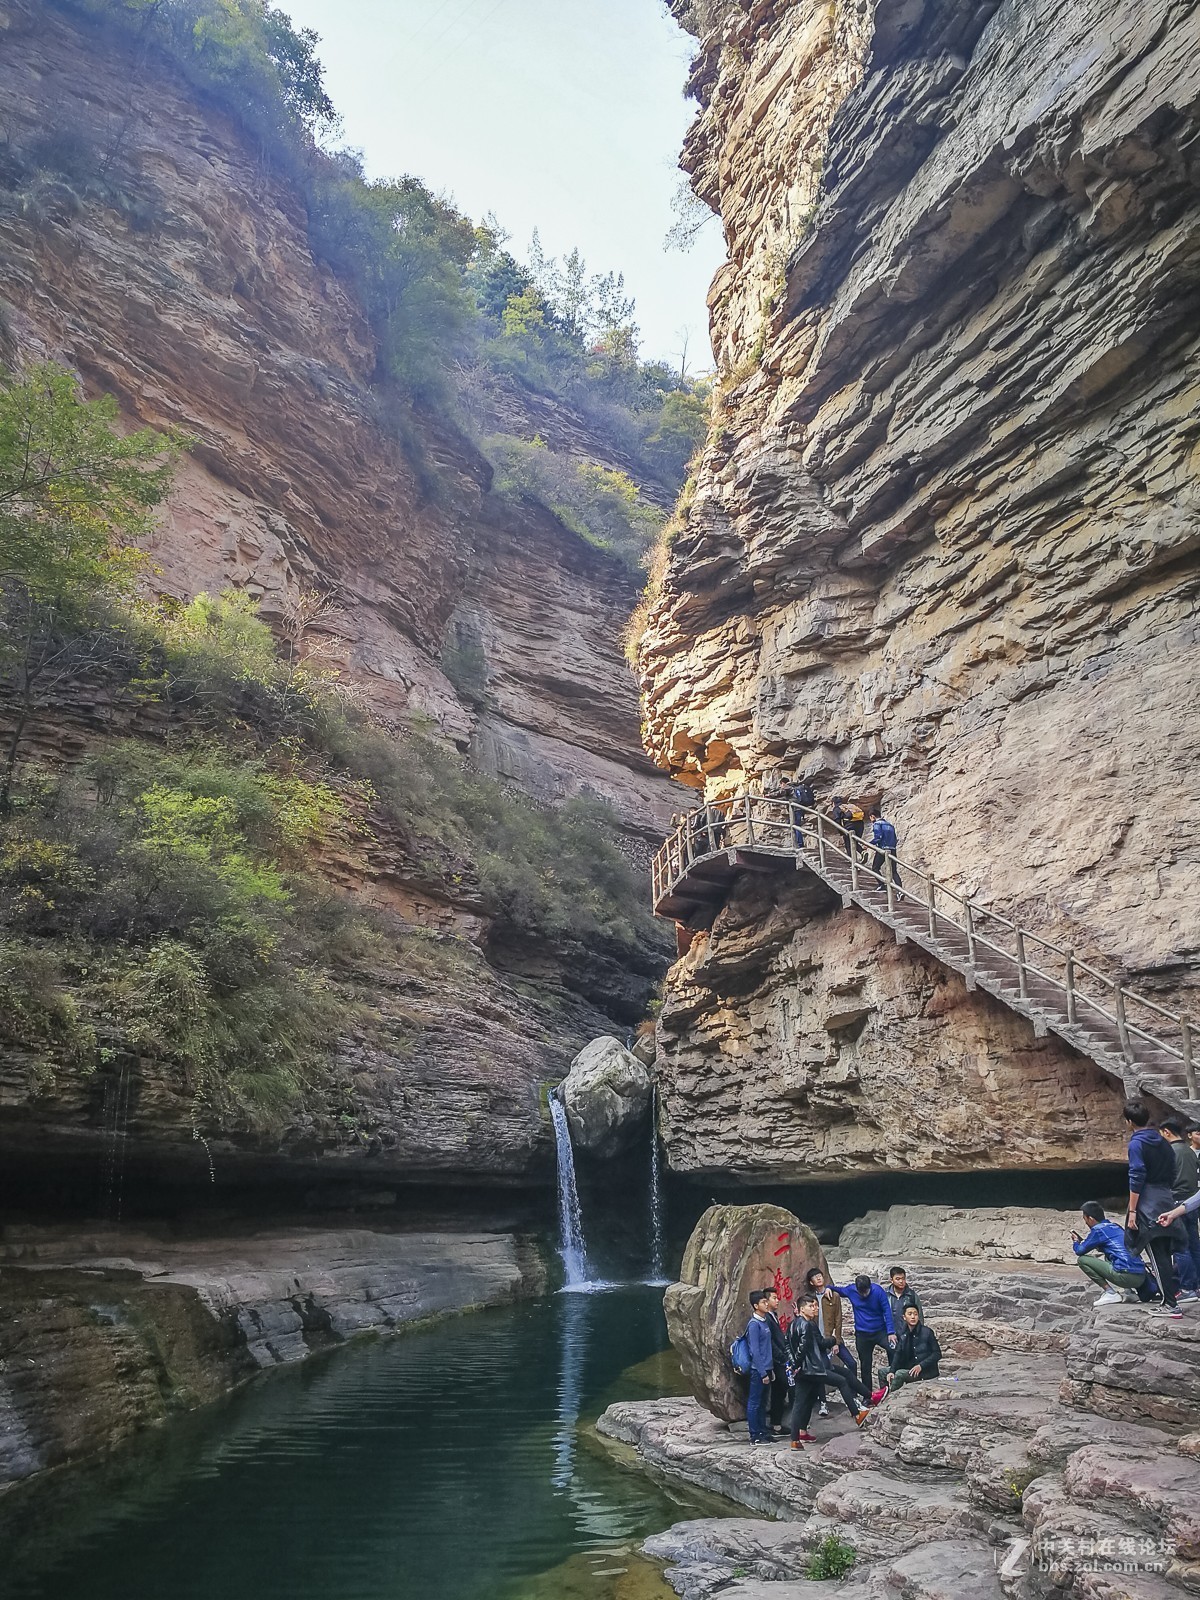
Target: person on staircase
x=812, y=1370
x=847, y=814
x=917, y=1352
x=829, y=1320
x=883, y=837
x=779, y=1362
x=1151, y=1179
x=901, y=1295
x=1101, y=1254
x=801, y=794
x=873, y=1324
x=758, y=1336
x=1187, y=1182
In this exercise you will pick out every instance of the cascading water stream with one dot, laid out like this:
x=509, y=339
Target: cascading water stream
x=571, y=1245
x=656, y=1198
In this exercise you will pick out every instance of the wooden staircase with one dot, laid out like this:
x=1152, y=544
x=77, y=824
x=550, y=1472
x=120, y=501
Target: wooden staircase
x=1141, y=1044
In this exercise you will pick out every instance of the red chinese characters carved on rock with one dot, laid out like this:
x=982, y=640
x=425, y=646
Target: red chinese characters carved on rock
x=782, y=1285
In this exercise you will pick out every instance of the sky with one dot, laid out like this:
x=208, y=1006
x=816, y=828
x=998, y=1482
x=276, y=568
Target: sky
x=561, y=115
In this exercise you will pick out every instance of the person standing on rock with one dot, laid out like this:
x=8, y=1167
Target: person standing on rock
x=1187, y=1182
x=1151, y=1179
x=873, y=1324
x=779, y=1361
x=812, y=1369
x=758, y=1336
x=829, y=1307
x=849, y=816
x=1101, y=1255
x=804, y=799
x=883, y=837
x=901, y=1294
x=917, y=1352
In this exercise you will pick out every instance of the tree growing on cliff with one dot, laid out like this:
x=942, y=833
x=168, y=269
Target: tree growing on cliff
x=76, y=497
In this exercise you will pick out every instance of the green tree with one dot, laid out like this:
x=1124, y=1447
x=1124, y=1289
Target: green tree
x=76, y=496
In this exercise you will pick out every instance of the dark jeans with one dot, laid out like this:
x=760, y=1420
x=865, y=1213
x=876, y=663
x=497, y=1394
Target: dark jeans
x=1160, y=1249
x=877, y=863
x=866, y=1344
x=808, y=1391
x=756, y=1407
x=852, y=1372
x=779, y=1399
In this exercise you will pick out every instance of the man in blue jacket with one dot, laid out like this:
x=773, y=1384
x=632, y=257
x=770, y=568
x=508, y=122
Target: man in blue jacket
x=1102, y=1255
x=873, y=1324
x=758, y=1336
x=883, y=837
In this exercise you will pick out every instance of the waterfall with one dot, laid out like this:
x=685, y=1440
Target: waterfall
x=570, y=1218
x=656, y=1209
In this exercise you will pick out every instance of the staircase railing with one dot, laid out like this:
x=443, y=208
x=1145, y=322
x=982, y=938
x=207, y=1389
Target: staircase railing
x=765, y=824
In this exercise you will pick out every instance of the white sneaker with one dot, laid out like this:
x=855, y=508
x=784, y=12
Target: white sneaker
x=822, y=1409
x=1110, y=1297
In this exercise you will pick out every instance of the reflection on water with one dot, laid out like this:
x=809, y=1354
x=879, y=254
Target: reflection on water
x=444, y=1462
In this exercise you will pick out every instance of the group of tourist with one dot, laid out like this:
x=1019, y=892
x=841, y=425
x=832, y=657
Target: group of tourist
x=1153, y=1257
x=791, y=1367
x=1161, y=1220
x=710, y=825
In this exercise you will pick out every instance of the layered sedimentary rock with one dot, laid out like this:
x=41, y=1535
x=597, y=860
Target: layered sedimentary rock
x=105, y=1335
x=188, y=289
x=942, y=549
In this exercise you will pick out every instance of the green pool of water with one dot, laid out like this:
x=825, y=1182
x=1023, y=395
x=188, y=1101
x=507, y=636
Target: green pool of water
x=442, y=1463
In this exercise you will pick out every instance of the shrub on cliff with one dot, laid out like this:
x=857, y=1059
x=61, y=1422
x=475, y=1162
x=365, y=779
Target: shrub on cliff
x=76, y=496
x=154, y=902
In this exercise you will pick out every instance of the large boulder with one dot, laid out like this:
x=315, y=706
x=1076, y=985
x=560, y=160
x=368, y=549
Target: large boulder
x=732, y=1250
x=607, y=1097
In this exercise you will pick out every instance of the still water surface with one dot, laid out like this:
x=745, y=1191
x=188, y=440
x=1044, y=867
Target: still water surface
x=441, y=1463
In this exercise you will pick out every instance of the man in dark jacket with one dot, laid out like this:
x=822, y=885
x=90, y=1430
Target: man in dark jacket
x=1187, y=1181
x=901, y=1294
x=917, y=1352
x=758, y=1336
x=1103, y=1256
x=808, y=1349
x=802, y=796
x=779, y=1361
x=1151, y=1180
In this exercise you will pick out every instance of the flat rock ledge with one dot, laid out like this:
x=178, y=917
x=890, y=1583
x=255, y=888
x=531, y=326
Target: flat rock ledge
x=1051, y=1460
x=103, y=1336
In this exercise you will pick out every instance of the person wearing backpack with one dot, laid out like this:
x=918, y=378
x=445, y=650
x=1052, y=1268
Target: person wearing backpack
x=758, y=1337
x=850, y=816
x=883, y=837
x=801, y=795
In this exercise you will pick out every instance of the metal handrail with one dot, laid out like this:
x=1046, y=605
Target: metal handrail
x=758, y=820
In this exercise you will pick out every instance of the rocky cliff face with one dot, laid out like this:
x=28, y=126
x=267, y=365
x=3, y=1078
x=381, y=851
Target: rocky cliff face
x=941, y=550
x=195, y=299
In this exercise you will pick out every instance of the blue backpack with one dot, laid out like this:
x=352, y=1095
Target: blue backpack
x=739, y=1354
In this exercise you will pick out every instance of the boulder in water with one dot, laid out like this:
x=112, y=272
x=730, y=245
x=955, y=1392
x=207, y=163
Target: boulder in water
x=607, y=1097
x=732, y=1250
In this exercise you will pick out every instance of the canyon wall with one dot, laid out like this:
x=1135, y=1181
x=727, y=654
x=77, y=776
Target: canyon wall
x=198, y=302
x=941, y=551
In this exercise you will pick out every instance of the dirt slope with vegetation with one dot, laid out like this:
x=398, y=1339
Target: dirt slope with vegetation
x=342, y=859
x=940, y=551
